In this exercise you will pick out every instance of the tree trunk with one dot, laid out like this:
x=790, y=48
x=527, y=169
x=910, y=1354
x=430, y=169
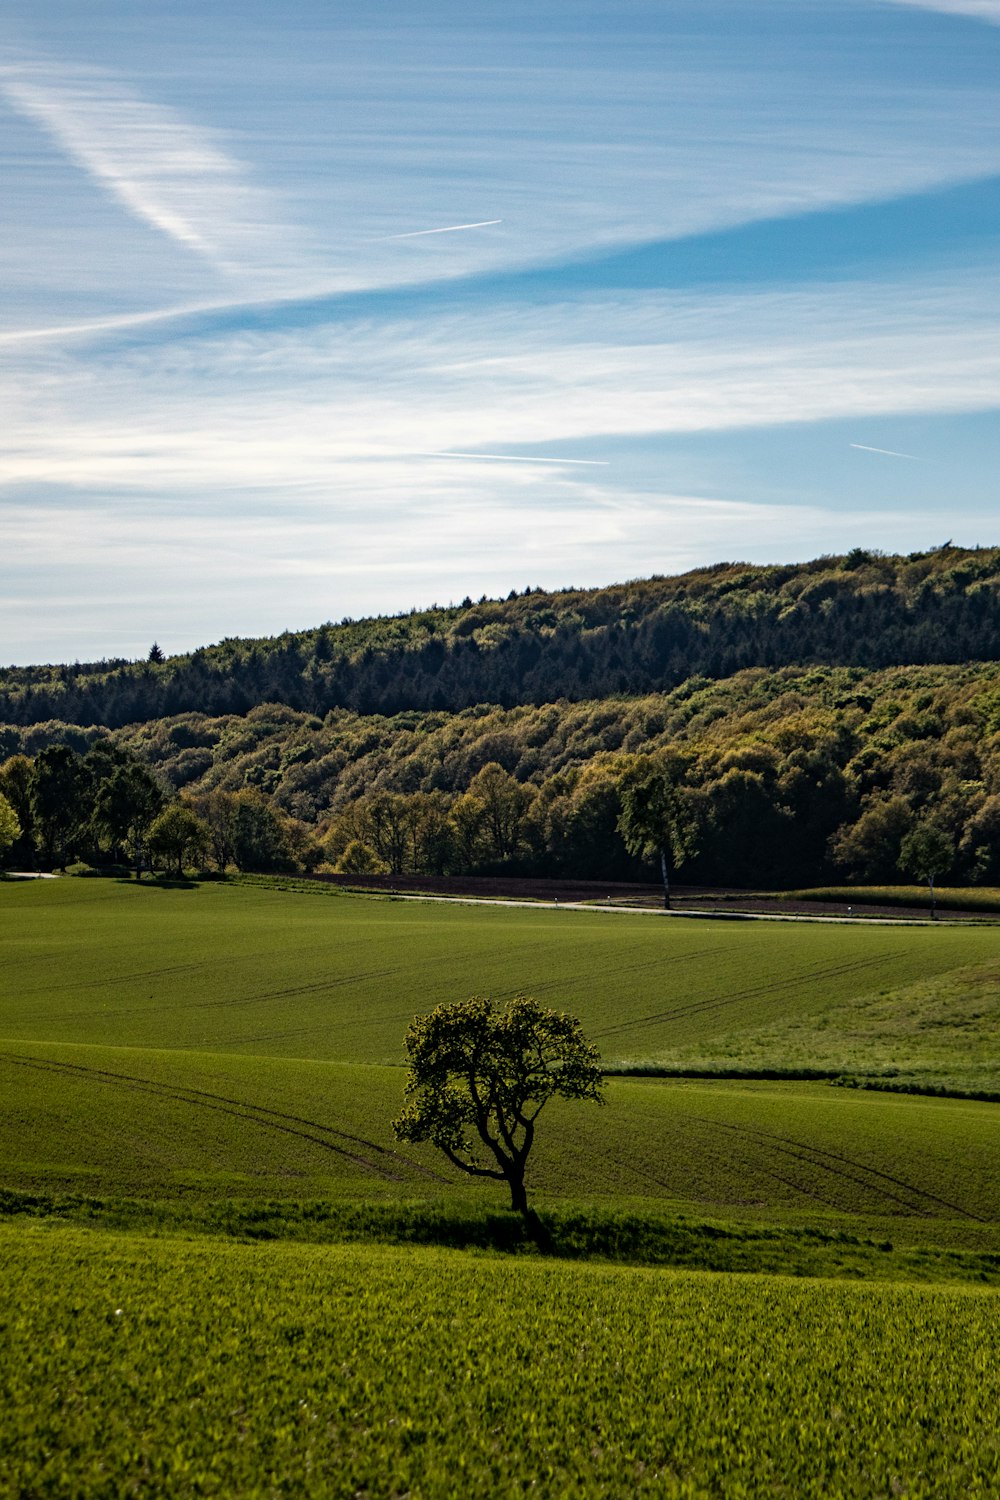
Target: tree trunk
x=666, y=879
x=518, y=1195
x=930, y=882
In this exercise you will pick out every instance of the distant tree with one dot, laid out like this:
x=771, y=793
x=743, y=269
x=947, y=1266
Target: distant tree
x=178, y=834
x=388, y=823
x=502, y=803
x=218, y=810
x=125, y=807
x=360, y=859
x=155, y=654
x=656, y=821
x=433, y=851
x=10, y=828
x=926, y=852
x=467, y=818
x=58, y=779
x=870, y=848
x=15, y=784
x=480, y=1077
x=258, y=841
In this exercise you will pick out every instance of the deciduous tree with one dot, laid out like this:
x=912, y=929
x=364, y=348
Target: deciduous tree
x=178, y=834
x=57, y=782
x=656, y=820
x=480, y=1076
x=125, y=806
x=926, y=852
x=10, y=828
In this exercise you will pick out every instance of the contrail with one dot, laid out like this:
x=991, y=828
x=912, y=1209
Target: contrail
x=414, y=234
x=511, y=458
x=889, y=452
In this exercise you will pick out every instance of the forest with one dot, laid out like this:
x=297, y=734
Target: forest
x=771, y=779
x=861, y=609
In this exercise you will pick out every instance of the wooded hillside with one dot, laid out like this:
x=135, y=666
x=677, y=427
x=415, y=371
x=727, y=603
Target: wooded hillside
x=649, y=636
x=792, y=775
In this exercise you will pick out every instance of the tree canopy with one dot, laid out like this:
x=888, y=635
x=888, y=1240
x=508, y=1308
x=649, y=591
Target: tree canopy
x=481, y=1075
x=649, y=635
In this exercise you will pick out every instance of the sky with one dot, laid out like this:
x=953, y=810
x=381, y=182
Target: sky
x=331, y=309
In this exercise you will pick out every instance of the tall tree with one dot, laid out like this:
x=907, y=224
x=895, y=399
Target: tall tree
x=58, y=779
x=15, y=784
x=125, y=807
x=656, y=819
x=926, y=852
x=258, y=841
x=178, y=834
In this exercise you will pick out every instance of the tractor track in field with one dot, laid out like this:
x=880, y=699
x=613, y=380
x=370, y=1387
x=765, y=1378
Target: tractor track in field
x=714, y=1150
x=847, y=1167
x=721, y=1002
x=228, y=1002
x=256, y=1114
x=661, y=961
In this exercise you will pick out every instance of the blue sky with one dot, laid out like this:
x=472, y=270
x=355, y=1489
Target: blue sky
x=730, y=291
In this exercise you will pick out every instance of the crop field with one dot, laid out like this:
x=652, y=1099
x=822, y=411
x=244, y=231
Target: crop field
x=233, y=1042
x=157, y=1366
x=198, y=1126
x=183, y=1071
x=266, y=972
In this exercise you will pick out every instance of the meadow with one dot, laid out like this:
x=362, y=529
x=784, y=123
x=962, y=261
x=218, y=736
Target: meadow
x=257, y=970
x=224, y=1276
x=141, y=1366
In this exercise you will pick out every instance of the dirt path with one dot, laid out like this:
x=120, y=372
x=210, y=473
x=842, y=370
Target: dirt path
x=854, y=919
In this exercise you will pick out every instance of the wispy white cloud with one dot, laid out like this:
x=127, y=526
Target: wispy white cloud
x=517, y=458
x=167, y=172
x=981, y=10
x=321, y=405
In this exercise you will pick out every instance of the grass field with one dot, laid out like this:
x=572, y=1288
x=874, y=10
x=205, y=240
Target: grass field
x=234, y=1041
x=183, y=1071
x=942, y=1032
x=162, y=1124
x=153, y=1366
x=266, y=972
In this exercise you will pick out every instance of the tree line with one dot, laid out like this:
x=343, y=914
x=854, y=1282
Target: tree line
x=768, y=779
x=108, y=810
x=862, y=609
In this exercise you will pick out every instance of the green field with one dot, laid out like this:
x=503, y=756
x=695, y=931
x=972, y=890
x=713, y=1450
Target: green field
x=138, y=1366
x=168, y=1125
x=186, y=1070
x=253, y=970
x=245, y=1041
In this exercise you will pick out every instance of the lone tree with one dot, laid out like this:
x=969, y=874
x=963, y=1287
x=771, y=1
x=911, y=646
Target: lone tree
x=656, y=819
x=926, y=852
x=480, y=1077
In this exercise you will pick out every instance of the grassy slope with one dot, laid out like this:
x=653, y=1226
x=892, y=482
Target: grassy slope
x=184, y=1044
x=197, y=1127
x=263, y=971
x=357, y=1370
x=942, y=1032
